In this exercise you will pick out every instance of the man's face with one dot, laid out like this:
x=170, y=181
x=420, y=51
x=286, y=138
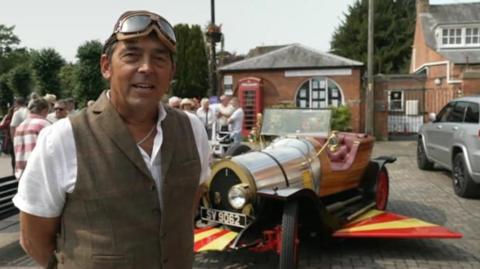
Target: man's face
x=139, y=71
x=225, y=100
x=205, y=105
x=60, y=110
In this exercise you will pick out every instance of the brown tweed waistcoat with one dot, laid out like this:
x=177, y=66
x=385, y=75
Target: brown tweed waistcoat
x=114, y=218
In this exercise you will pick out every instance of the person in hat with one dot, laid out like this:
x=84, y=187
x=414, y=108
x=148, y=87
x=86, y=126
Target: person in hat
x=115, y=185
x=187, y=105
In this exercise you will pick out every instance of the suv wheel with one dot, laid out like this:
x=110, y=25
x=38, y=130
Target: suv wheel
x=422, y=161
x=463, y=184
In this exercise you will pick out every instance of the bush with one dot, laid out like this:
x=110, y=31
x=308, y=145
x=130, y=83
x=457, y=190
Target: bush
x=340, y=119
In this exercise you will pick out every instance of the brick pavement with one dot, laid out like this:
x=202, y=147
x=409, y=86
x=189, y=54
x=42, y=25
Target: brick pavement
x=426, y=195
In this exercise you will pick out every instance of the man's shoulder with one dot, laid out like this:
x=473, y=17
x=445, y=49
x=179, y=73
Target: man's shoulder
x=58, y=129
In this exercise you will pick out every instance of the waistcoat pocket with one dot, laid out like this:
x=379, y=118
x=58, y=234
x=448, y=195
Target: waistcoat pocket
x=111, y=261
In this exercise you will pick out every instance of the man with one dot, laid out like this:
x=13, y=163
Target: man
x=114, y=185
x=60, y=111
x=174, y=102
x=20, y=114
x=187, y=105
x=206, y=115
x=224, y=111
x=235, y=121
x=27, y=132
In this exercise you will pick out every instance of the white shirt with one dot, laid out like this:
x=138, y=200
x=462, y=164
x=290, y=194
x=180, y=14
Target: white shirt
x=236, y=121
x=51, y=170
x=19, y=116
x=206, y=117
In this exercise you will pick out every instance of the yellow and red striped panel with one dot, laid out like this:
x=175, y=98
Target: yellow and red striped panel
x=375, y=223
x=212, y=239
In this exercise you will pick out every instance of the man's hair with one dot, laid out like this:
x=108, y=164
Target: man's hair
x=204, y=100
x=62, y=102
x=36, y=106
x=20, y=100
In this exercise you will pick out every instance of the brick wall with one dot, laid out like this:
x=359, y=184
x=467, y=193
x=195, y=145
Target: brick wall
x=279, y=89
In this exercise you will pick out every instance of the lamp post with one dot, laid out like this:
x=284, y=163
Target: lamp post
x=370, y=97
x=214, y=35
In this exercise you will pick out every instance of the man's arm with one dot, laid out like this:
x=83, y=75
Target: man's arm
x=38, y=236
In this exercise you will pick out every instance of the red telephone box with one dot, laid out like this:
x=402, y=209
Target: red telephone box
x=251, y=101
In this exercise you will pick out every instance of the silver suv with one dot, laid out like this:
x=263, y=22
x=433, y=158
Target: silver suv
x=452, y=140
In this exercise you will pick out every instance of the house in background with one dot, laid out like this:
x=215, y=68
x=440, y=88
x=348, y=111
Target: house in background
x=446, y=49
x=294, y=76
x=445, y=63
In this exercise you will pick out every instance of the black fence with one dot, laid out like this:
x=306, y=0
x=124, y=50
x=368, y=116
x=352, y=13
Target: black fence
x=8, y=189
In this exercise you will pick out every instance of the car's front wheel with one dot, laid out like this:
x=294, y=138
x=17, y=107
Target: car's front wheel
x=290, y=243
x=463, y=185
x=422, y=160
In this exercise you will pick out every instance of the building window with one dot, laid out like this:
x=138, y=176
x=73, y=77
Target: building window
x=395, y=100
x=461, y=36
x=319, y=93
x=472, y=36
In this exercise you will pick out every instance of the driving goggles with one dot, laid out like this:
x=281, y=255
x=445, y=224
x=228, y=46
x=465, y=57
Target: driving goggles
x=142, y=24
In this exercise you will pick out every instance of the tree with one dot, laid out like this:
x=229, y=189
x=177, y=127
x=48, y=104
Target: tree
x=393, y=35
x=46, y=65
x=89, y=82
x=67, y=79
x=7, y=39
x=20, y=81
x=191, y=77
x=6, y=94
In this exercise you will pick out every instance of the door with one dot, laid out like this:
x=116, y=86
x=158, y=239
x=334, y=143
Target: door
x=446, y=130
x=250, y=97
x=435, y=131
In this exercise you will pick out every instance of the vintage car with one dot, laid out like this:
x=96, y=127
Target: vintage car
x=309, y=180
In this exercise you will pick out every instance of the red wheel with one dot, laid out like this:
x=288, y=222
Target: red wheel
x=381, y=189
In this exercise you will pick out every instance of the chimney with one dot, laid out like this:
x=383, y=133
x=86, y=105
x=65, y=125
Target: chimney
x=422, y=6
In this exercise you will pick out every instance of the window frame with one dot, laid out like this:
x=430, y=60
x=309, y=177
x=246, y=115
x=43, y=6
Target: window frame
x=462, y=35
x=318, y=90
x=390, y=102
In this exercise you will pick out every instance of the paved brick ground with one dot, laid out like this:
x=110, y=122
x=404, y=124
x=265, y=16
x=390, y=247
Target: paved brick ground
x=426, y=195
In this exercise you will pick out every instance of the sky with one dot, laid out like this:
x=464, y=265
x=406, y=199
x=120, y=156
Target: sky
x=65, y=25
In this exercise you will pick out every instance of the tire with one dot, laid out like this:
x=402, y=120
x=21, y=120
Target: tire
x=290, y=245
x=382, y=189
x=237, y=149
x=423, y=162
x=463, y=185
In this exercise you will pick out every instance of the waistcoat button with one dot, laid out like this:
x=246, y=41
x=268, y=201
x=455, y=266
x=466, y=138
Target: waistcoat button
x=153, y=187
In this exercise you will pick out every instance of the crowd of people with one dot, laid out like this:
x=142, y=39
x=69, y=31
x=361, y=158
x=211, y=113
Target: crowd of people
x=226, y=116
x=24, y=120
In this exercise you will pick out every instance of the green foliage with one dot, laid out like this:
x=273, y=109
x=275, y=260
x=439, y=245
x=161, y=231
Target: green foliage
x=7, y=39
x=394, y=23
x=340, y=119
x=67, y=80
x=46, y=65
x=89, y=82
x=6, y=94
x=191, y=77
x=19, y=56
x=20, y=80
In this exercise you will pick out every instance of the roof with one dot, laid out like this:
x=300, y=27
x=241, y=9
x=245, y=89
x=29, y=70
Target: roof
x=451, y=14
x=292, y=56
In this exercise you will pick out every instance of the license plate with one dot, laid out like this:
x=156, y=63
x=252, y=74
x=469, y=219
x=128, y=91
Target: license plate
x=224, y=217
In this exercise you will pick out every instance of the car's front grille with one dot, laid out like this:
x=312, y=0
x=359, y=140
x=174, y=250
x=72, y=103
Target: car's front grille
x=221, y=183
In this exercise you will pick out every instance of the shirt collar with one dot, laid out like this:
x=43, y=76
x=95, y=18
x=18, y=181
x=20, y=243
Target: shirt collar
x=162, y=113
